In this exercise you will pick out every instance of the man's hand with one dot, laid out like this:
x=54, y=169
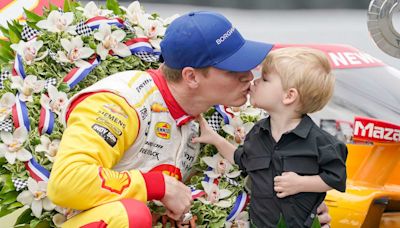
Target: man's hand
x=177, y=198
x=323, y=216
x=287, y=184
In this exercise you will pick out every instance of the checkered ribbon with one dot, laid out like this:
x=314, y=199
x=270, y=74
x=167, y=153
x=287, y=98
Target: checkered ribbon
x=3, y=76
x=6, y=125
x=147, y=57
x=19, y=184
x=29, y=33
x=50, y=81
x=129, y=26
x=215, y=121
x=82, y=29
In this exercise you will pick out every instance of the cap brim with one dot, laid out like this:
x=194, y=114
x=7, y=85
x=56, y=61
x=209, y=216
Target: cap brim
x=249, y=56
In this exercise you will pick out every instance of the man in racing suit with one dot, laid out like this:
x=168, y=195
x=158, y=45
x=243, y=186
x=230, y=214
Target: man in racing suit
x=128, y=137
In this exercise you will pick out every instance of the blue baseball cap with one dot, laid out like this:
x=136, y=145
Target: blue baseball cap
x=202, y=39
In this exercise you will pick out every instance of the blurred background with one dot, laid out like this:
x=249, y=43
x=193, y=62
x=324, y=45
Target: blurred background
x=288, y=21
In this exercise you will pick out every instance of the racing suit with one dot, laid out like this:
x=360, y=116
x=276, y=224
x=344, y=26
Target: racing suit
x=122, y=133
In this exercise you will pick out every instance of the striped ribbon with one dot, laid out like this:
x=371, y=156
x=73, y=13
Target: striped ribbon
x=141, y=44
x=241, y=202
x=224, y=113
x=37, y=172
x=77, y=74
x=210, y=180
x=46, y=120
x=94, y=23
x=20, y=114
x=197, y=193
x=18, y=69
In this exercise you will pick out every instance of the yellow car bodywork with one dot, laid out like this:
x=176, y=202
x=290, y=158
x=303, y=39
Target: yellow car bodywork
x=372, y=197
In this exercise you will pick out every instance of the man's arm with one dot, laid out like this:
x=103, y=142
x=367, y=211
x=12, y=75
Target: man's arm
x=100, y=129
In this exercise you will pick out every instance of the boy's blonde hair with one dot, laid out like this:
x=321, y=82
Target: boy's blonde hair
x=305, y=69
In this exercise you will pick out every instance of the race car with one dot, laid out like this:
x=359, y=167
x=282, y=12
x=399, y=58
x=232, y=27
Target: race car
x=365, y=113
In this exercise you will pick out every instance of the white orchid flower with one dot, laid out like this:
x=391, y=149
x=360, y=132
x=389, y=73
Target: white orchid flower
x=75, y=52
x=29, y=50
x=111, y=41
x=241, y=221
x=214, y=194
x=58, y=22
x=27, y=87
x=6, y=103
x=220, y=167
x=152, y=29
x=245, y=110
x=91, y=10
x=64, y=215
x=56, y=100
x=36, y=197
x=12, y=147
x=133, y=12
x=170, y=19
x=49, y=147
x=237, y=130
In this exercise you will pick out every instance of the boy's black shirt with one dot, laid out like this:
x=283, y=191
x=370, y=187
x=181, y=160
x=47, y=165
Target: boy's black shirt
x=306, y=150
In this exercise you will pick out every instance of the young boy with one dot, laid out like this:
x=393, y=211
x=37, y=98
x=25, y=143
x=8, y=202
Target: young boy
x=290, y=160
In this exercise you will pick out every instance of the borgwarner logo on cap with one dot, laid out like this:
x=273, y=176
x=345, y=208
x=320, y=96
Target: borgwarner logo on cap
x=225, y=36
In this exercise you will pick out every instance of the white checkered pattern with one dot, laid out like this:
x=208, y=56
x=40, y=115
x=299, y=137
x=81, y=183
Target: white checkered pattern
x=129, y=26
x=50, y=81
x=3, y=76
x=147, y=57
x=6, y=125
x=215, y=121
x=29, y=33
x=53, y=55
x=83, y=29
x=19, y=184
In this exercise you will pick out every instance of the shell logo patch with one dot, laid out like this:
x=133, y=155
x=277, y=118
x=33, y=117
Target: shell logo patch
x=113, y=181
x=163, y=130
x=157, y=107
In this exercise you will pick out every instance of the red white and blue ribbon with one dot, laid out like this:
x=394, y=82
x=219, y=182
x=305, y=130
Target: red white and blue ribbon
x=46, y=121
x=37, y=172
x=241, y=202
x=77, y=74
x=140, y=45
x=197, y=193
x=94, y=23
x=224, y=113
x=20, y=114
x=18, y=69
x=209, y=179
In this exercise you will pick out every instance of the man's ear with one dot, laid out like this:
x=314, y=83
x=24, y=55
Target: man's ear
x=290, y=96
x=190, y=77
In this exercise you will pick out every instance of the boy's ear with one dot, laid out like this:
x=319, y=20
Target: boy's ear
x=189, y=76
x=290, y=96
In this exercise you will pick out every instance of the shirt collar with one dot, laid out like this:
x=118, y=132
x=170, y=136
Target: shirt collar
x=180, y=116
x=302, y=129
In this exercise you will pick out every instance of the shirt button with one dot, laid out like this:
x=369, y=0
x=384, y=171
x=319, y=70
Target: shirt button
x=312, y=215
x=276, y=147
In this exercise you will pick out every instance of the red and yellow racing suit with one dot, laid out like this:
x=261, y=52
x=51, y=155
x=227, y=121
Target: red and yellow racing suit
x=122, y=133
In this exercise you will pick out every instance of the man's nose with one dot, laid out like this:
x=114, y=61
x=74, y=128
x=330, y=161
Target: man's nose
x=246, y=77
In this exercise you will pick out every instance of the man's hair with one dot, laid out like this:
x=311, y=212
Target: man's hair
x=175, y=75
x=305, y=69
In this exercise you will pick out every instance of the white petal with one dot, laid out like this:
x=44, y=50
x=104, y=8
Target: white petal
x=66, y=44
x=212, y=174
x=85, y=52
x=82, y=63
x=62, y=57
x=119, y=35
x=105, y=29
x=223, y=204
x=6, y=137
x=39, y=86
x=122, y=50
x=228, y=224
x=229, y=129
x=77, y=42
x=48, y=205
x=43, y=24
x=45, y=100
x=37, y=207
x=223, y=193
x=41, y=148
x=17, y=82
x=59, y=219
x=207, y=186
x=25, y=197
x=7, y=100
x=33, y=186
x=3, y=149
x=233, y=174
x=21, y=134
x=24, y=155
x=99, y=36
x=10, y=157
x=69, y=16
x=53, y=92
x=102, y=51
x=155, y=43
x=210, y=161
x=37, y=44
x=204, y=201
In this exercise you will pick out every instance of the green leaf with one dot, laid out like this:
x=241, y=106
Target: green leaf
x=9, y=198
x=6, y=53
x=114, y=6
x=4, y=30
x=15, y=36
x=316, y=223
x=32, y=17
x=25, y=217
x=6, y=183
x=281, y=223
